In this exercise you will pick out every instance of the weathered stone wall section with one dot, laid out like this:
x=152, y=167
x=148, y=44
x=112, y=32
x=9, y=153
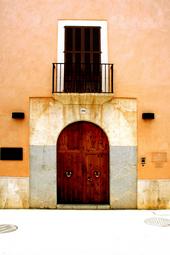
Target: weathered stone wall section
x=117, y=117
x=154, y=194
x=14, y=192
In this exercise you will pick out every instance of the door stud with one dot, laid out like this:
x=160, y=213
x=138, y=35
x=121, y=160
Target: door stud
x=90, y=179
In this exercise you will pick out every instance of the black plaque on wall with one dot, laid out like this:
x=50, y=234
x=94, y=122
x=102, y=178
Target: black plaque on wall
x=148, y=116
x=11, y=153
x=18, y=115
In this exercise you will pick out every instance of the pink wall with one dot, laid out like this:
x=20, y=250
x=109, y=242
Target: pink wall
x=138, y=40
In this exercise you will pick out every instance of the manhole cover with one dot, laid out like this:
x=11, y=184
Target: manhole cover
x=159, y=222
x=6, y=228
x=164, y=214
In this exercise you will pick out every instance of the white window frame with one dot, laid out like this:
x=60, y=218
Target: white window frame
x=61, y=43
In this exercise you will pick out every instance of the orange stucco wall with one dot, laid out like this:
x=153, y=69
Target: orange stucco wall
x=138, y=42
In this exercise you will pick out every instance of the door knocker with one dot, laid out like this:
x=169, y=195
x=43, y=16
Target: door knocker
x=97, y=174
x=68, y=173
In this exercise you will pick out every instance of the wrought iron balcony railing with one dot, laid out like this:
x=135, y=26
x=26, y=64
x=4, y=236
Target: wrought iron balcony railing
x=82, y=78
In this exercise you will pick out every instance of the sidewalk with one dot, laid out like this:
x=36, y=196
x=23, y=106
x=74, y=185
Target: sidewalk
x=84, y=232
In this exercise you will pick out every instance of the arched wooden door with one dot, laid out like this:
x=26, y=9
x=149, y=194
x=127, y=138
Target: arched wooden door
x=82, y=165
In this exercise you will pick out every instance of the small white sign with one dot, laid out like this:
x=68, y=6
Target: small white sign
x=83, y=110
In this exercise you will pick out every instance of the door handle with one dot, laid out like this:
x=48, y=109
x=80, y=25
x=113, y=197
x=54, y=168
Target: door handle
x=97, y=173
x=68, y=173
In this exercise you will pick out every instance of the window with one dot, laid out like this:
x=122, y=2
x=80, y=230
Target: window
x=82, y=47
x=82, y=58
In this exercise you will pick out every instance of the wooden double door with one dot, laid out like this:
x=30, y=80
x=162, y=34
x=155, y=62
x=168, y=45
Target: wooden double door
x=82, y=165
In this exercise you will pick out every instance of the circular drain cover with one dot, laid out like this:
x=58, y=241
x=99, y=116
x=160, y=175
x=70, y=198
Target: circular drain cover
x=159, y=222
x=6, y=228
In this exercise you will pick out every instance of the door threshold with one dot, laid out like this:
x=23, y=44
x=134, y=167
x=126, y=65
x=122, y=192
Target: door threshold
x=83, y=207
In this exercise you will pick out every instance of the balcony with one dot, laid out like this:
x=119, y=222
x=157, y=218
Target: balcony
x=82, y=78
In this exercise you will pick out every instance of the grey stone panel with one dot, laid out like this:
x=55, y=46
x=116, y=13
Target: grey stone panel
x=42, y=176
x=123, y=177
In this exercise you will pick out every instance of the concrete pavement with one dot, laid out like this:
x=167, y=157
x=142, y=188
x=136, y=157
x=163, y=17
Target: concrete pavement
x=84, y=232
